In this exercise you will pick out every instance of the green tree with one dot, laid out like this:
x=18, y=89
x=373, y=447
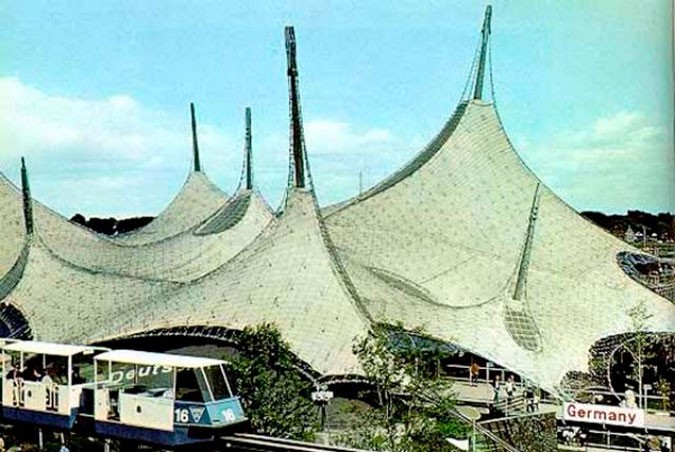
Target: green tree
x=640, y=342
x=415, y=404
x=663, y=387
x=276, y=397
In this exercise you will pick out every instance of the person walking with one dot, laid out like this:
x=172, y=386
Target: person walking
x=496, y=387
x=474, y=370
x=510, y=388
x=16, y=377
x=529, y=399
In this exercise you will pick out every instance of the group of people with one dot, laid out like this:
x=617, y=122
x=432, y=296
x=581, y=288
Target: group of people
x=43, y=375
x=531, y=398
x=573, y=436
x=31, y=373
x=49, y=377
x=508, y=387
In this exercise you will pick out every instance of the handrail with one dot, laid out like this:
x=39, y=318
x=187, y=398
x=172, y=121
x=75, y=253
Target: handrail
x=606, y=446
x=486, y=371
x=485, y=432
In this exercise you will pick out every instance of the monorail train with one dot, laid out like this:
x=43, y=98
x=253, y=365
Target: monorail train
x=156, y=398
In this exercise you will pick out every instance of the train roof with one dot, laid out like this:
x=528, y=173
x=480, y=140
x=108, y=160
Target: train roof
x=158, y=359
x=49, y=348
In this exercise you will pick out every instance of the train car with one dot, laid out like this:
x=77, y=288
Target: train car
x=41, y=382
x=162, y=399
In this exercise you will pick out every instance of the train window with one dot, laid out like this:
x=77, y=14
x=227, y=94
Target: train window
x=122, y=374
x=103, y=371
x=32, y=367
x=56, y=368
x=203, y=385
x=12, y=359
x=82, y=369
x=190, y=386
x=140, y=378
x=216, y=379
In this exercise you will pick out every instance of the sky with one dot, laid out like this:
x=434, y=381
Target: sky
x=96, y=95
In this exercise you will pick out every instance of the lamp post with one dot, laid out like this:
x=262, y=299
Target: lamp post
x=473, y=436
x=321, y=397
x=472, y=414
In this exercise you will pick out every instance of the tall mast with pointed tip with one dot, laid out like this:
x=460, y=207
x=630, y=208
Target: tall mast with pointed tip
x=27, y=200
x=248, y=170
x=480, y=73
x=195, y=144
x=297, y=146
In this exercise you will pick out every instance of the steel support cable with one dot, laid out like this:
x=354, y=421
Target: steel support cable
x=492, y=84
x=469, y=85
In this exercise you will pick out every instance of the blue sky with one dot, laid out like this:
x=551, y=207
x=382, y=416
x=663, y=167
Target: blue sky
x=96, y=94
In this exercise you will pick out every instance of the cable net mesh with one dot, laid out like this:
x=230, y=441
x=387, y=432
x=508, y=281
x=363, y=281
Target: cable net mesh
x=453, y=231
x=187, y=255
x=12, y=230
x=196, y=201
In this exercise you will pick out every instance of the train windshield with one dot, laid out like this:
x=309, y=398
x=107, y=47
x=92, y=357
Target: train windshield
x=217, y=382
x=190, y=385
x=201, y=384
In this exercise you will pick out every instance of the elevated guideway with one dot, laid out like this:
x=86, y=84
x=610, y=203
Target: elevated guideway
x=249, y=442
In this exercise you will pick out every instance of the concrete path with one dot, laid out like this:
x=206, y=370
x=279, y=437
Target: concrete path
x=482, y=392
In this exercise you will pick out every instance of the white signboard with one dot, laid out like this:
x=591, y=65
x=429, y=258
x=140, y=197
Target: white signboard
x=603, y=414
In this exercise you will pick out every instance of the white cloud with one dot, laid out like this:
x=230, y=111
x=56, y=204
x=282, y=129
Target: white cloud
x=334, y=137
x=338, y=152
x=343, y=156
x=116, y=128
x=623, y=161
x=115, y=148
x=115, y=156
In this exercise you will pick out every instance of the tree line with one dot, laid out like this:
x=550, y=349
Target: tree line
x=663, y=224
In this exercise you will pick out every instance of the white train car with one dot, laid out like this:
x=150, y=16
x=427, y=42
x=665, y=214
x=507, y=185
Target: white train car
x=162, y=399
x=41, y=382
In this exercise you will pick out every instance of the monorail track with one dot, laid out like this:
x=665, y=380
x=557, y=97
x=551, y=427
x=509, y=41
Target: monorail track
x=249, y=443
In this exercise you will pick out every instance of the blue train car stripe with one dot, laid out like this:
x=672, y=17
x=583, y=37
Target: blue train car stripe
x=216, y=414
x=44, y=418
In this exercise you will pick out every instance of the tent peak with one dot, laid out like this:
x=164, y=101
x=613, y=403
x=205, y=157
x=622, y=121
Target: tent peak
x=247, y=173
x=299, y=168
x=485, y=36
x=195, y=145
x=27, y=200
